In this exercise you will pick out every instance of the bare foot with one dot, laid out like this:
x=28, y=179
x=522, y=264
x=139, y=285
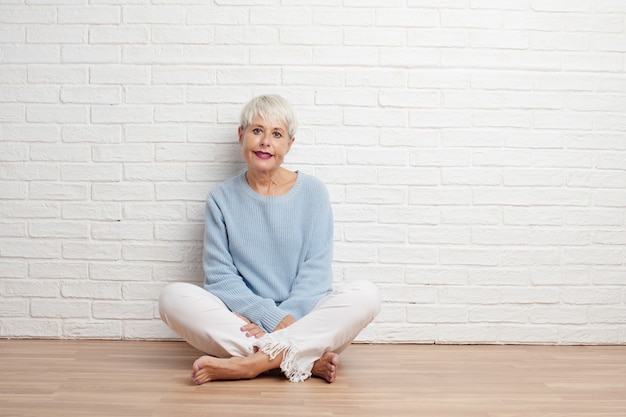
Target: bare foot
x=208, y=368
x=326, y=366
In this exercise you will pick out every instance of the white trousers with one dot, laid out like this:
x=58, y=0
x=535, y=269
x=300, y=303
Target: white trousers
x=205, y=322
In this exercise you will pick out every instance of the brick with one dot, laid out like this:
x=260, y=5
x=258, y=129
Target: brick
x=374, y=274
x=483, y=216
x=125, y=153
x=180, y=232
x=56, y=34
x=13, y=74
x=29, y=288
x=375, y=233
x=344, y=56
x=91, y=95
x=91, y=250
x=593, y=256
x=86, y=329
x=442, y=314
x=122, y=114
x=440, y=119
x=14, y=308
x=30, y=209
x=62, y=74
x=550, y=41
x=600, y=335
x=409, y=176
x=223, y=55
x=153, y=252
x=178, y=75
x=11, y=113
x=27, y=15
x=439, y=196
x=93, y=54
x=528, y=334
x=497, y=39
x=561, y=5
x=558, y=315
x=14, y=190
x=560, y=276
x=148, y=329
x=405, y=254
x=92, y=211
x=318, y=36
x=89, y=15
x=58, y=270
x=30, y=94
x=122, y=310
x=343, y=97
x=185, y=192
x=531, y=257
x=534, y=216
x=438, y=235
x=59, y=229
x=41, y=308
x=29, y=327
x=120, y=231
x=594, y=217
x=148, y=95
x=122, y=192
x=91, y=290
x=188, y=113
x=12, y=229
x=237, y=35
x=65, y=153
x=461, y=176
x=530, y=295
x=533, y=20
x=56, y=114
x=105, y=271
x=30, y=54
x=118, y=35
x=479, y=257
x=486, y=19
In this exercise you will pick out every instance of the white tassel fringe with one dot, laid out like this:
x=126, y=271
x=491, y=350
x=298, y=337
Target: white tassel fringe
x=288, y=365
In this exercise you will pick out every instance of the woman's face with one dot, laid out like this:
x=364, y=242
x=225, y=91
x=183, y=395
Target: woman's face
x=264, y=144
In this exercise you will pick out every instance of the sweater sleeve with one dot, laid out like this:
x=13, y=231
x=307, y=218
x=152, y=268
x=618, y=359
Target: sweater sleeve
x=314, y=278
x=224, y=280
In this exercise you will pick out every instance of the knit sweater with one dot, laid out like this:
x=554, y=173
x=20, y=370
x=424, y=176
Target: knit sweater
x=267, y=257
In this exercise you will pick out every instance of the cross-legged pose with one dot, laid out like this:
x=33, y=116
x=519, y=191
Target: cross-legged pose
x=268, y=300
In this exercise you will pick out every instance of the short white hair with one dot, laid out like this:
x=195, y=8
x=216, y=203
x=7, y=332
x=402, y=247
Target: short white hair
x=273, y=108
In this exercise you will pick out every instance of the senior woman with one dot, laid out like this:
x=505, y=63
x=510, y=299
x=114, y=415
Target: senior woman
x=268, y=301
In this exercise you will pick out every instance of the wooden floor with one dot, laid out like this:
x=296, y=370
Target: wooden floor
x=112, y=378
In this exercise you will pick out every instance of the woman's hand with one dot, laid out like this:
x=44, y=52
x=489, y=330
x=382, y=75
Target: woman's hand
x=251, y=329
x=285, y=322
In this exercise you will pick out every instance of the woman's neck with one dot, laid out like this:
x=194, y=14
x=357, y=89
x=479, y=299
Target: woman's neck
x=271, y=183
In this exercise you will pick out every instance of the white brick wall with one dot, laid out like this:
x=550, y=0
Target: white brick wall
x=475, y=151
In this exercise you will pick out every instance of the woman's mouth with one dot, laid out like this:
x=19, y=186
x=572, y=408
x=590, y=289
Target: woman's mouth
x=263, y=155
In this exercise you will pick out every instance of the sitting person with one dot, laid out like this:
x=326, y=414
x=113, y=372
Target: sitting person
x=268, y=301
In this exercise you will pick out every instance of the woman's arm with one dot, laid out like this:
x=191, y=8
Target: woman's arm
x=314, y=279
x=223, y=279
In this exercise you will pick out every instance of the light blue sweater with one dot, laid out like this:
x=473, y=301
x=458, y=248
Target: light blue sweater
x=266, y=257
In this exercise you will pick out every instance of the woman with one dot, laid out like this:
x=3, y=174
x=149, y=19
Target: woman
x=267, y=301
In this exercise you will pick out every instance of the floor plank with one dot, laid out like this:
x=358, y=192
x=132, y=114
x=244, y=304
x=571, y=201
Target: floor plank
x=113, y=378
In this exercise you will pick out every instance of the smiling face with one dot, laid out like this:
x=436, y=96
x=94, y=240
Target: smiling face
x=264, y=145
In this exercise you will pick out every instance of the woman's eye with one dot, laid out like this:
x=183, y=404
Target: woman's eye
x=278, y=135
x=257, y=131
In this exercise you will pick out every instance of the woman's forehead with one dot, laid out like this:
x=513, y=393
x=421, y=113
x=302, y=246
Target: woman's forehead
x=268, y=122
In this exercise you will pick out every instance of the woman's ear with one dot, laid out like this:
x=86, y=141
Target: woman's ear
x=291, y=141
x=240, y=134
